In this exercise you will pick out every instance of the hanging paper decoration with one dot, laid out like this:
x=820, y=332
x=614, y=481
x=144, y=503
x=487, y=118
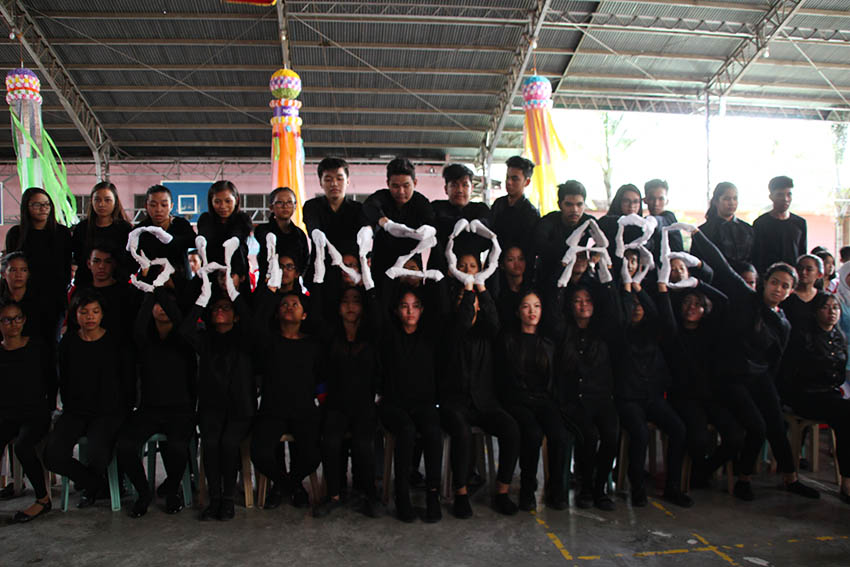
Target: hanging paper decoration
x=39, y=163
x=541, y=142
x=287, y=145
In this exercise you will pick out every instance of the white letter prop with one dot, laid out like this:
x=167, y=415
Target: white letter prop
x=600, y=246
x=206, y=287
x=646, y=263
x=201, y=247
x=167, y=270
x=427, y=237
x=273, y=274
x=322, y=244
x=475, y=227
x=365, y=239
x=667, y=256
x=133, y=243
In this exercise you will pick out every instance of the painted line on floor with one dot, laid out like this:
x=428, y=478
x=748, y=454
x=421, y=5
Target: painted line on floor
x=553, y=537
x=658, y=505
x=724, y=556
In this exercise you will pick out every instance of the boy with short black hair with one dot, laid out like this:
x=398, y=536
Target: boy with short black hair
x=458, y=187
x=513, y=216
x=655, y=196
x=779, y=235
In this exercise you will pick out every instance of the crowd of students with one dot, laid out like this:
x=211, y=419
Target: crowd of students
x=526, y=327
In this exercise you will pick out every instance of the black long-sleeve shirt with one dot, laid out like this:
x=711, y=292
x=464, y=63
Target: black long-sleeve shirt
x=515, y=225
x=387, y=248
x=114, y=236
x=292, y=244
x=168, y=368
x=815, y=361
x=339, y=226
x=49, y=258
x=217, y=233
x=27, y=380
x=777, y=240
x=183, y=238
x=550, y=245
x=95, y=377
x=674, y=238
x=446, y=216
x=466, y=379
x=226, y=373
x=525, y=364
x=733, y=238
x=121, y=302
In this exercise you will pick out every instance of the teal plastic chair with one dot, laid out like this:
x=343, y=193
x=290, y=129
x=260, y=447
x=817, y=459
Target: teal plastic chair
x=111, y=475
x=152, y=447
x=568, y=462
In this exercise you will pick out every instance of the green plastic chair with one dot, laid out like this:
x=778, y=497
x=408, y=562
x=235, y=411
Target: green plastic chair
x=111, y=475
x=192, y=465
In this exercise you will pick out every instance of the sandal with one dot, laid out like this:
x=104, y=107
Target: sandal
x=22, y=518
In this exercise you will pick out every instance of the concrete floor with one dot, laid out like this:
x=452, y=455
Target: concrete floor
x=776, y=529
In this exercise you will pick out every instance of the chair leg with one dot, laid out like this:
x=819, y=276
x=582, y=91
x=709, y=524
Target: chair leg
x=835, y=459
x=544, y=450
x=247, y=483
x=152, y=449
x=815, y=448
x=389, y=450
x=623, y=460
x=315, y=489
x=447, y=468
x=114, y=487
x=202, y=480
x=730, y=478
x=687, y=463
x=491, y=463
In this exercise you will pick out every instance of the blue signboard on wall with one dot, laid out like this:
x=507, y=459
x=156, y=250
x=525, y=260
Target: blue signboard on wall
x=190, y=198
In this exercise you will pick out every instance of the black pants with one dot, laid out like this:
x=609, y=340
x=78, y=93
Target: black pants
x=100, y=432
x=26, y=433
x=404, y=424
x=362, y=428
x=755, y=405
x=633, y=417
x=266, y=453
x=595, y=424
x=458, y=421
x=221, y=436
x=142, y=425
x=697, y=415
x=831, y=408
x=536, y=419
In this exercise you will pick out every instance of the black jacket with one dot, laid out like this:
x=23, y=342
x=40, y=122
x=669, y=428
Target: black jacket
x=515, y=225
x=95, y=377
x=550, y=245
x=387, y=248
x=183, y=238
x=446, y=216
x=815, y=362
x=733, y=238
x=114, y=235
x=525, y=364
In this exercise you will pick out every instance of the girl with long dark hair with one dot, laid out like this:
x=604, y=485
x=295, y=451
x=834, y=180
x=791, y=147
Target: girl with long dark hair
x=732, y=236
x=105, y=222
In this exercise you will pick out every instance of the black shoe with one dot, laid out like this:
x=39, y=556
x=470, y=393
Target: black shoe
x=371, y=507
x=678, y=498
x=433, y=512
x=404, y=510
x=326, y=507
x=87, y=499
x=584, y=499
x=504, y=505
x=639, y=498
x=461, y=508
x=140, y=506
x=417, y=481
x=556, y=502
x=212, y=511
x=7, y=492
x=475, y=480
x=744, y=491
x=604, y=502
x=527, y=501
x=798, y=487
x=274, y=497
x=299, y=496
x=22, y=518
x=162, y=490
x=173, y=503
x=227, y=510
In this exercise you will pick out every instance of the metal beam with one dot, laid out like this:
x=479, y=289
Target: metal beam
x=245, y=89
x=307, y=144
x=243, y=126
x=522, y=55
x=283, y=33
x=236, y=68
x=53, y=71
x=750, y=49
x=264, y=111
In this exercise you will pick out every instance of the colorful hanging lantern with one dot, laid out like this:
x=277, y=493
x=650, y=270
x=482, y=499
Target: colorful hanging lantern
x=541, y=142
x=287, y=145
x=39, y=163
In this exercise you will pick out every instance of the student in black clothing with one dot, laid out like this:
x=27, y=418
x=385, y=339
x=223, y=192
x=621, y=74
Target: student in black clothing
x=828, y=281
x=408, y=399
x=584, y=384
x=105, y=222
x=779, y=235
x=814, y=371
x=756, y=334
x=458, y=187
x=351, y=371
x=400, y=203
x=691, y=340
x=167, y=376
x=227, y=393
x=38, y=310
x=289, y=361
x=626, y=201
x=655, y=196
x=641, y=382
x=222, y=221
x=732, y=236
x=158, y=205
x=512, y=284
x=467, y=395
x=47, y=246
x=798, y=307
x=334, y=213
x=513, y=217
x=27, y=382
x=525, y=363
x=96, y=386
x=552, y=231
x=290, y=238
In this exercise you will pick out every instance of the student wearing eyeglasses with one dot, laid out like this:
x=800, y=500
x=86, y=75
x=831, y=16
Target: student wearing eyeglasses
x=290, y=238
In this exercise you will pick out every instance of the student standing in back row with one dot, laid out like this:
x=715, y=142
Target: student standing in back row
x=655, y=196
x=513, y=217
x=780, y=235
x=458, y=187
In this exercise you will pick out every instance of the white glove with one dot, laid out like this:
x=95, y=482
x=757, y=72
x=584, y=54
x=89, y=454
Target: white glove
x=478, y=227
x=201, y=246
x=460, y=226
x=425, y=231
x=167, y=270
x=625, y=276
x=689, y=260
x=400, y=230
x=320, y=241
x=689, y=228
